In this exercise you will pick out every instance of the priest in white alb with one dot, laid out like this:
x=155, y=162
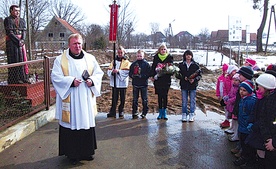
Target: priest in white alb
x=77, y=79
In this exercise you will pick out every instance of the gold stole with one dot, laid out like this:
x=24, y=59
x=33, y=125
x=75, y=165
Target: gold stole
x=66, y=102
x=125, y=64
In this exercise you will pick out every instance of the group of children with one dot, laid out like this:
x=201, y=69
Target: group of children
x=160, y=72
x=250, y=113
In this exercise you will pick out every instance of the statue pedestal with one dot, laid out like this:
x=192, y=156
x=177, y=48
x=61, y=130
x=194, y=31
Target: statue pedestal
x=33, y=92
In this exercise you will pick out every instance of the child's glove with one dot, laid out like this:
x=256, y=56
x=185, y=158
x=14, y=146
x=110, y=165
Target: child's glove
x=225, y=98
x=234, y=117
x=249, y=127
x=156, y=77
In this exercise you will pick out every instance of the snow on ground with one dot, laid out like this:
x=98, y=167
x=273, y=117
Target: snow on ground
x=213, y=60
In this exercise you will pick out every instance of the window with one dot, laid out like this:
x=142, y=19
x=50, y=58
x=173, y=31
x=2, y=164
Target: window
x=61, y=35
x=50, y=35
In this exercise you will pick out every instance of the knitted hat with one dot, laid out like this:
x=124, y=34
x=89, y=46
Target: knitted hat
x=224, y=67
x=268, y=81
x=251, y=62
x=271, y=69
x=248, y=85
x=246, y=71
x=236, y=76
x=231, y=68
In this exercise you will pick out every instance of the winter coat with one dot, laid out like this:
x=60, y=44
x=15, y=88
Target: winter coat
x=227, y=84
x=163, y=81
x=141, y=79
x=254, y=139
x=220, y=86
x=246, y=106
x=268, y=119
x=231, y=98
x=236, y=104
x=187, y=72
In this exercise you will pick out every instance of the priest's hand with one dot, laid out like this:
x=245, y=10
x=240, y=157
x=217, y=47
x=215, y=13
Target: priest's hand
x=77, y=82
x=89, y=82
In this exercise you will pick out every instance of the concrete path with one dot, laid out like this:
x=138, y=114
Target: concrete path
x=132, y=144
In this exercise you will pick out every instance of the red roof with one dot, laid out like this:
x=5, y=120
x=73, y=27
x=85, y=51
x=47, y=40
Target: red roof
x=67, y=25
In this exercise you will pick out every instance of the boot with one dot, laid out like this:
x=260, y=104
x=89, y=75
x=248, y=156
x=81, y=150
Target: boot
x=225, y=124
x=230, y=129
x=234, y=127
x=165, y=114
x=184, y=117
x=160, y=114
x=233, y=137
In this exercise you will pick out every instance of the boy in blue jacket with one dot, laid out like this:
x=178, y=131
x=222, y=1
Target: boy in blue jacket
x=246, y=105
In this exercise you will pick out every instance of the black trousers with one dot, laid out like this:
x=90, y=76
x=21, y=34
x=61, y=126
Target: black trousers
x=248, y=152
x=162, y=94
x=270, y=159
x=116, y=93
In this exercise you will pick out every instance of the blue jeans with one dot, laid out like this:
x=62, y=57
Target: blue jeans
x=144, y=95
x=192, y=95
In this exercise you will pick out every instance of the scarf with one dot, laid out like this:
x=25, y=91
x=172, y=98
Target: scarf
x=162, y=57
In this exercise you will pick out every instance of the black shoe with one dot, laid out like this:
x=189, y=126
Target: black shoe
x=240, y=161
x=111, y=115
x=135, y=116
x=143, y=116
x=88, y=158
x=121, y=115
x=73, y=161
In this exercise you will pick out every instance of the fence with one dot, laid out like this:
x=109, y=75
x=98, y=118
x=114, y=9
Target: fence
x=21, y=100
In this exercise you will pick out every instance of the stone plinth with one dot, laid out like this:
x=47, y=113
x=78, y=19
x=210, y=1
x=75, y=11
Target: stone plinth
x=33, y=92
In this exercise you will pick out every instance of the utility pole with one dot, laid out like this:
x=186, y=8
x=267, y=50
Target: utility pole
x=170, y=34
x=28, y=31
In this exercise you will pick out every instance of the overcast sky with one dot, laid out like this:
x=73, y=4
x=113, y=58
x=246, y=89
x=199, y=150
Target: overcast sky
x=184, y=15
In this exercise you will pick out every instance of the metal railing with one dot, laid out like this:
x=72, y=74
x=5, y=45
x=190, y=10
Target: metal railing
x=18, y=101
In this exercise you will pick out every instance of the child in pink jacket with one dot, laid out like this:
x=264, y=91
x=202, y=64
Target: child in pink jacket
x=231, y=71
x=230, y=101
x=220, y=82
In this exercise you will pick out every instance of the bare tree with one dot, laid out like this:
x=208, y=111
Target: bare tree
x=94, y=33
x=126, y=23
x=262, y=26
x=66, y=10
x=139, y=40
x=204, y=36
x=154, y=28
x=5, y=5
x=38, y=17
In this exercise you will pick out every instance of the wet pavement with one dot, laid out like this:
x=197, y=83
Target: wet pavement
x=133, y=144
